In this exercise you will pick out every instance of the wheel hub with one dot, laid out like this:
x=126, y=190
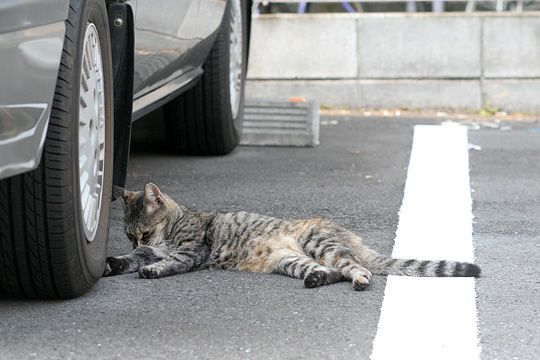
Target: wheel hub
x=91, y=132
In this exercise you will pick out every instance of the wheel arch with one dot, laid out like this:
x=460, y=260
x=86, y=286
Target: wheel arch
x=249, y=12
x=121, y=26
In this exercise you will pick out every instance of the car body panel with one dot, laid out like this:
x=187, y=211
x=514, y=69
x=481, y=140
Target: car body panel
x=156, y=98
x=29, y=60
x=26, y=14
x=171, y=44
x=172, y=40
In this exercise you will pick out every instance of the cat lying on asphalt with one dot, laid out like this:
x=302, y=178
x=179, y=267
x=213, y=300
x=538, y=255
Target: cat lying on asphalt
x=168, y=239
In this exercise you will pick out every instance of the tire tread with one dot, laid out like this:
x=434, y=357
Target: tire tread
x=34, y=260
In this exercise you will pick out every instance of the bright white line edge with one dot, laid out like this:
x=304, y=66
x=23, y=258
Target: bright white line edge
x=432, y=318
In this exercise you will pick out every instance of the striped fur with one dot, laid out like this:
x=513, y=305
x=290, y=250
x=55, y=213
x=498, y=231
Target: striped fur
x=169, y=238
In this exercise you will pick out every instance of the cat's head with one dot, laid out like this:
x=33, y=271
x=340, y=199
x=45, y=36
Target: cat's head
x=146, y=214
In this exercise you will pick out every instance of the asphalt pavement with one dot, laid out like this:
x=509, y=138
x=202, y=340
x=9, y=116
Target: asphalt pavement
x=355, y=177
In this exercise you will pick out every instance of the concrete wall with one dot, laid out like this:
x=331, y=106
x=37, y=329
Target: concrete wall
x=459, y=61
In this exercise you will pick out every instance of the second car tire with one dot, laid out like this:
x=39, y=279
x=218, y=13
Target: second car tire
x=207, y=120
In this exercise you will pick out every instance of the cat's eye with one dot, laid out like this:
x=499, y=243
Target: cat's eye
x=145, y=235
x=131, y=237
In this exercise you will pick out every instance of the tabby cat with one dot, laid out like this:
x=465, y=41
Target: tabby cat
x=169, y=239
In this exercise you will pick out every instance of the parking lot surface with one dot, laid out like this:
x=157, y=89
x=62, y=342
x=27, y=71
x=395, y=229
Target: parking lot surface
x=356, y=177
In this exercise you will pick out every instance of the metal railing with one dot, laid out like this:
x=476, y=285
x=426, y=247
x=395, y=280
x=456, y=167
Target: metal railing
x=409, y=5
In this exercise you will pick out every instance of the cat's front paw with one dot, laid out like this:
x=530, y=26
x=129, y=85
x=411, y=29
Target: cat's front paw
x=108, y=270
x=315, y=279
x=114, y=266
x=149, y=272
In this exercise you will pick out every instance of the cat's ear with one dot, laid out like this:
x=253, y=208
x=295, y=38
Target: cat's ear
x=153, y=198
x=120, y=193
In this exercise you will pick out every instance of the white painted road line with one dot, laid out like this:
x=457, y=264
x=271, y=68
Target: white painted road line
x=432, y=318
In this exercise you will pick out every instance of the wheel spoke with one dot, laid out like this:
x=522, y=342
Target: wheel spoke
x=84, y=84
x=86, y=169
x=235, y=56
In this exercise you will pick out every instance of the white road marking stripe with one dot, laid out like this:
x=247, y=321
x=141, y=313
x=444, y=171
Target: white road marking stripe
x=432, y=318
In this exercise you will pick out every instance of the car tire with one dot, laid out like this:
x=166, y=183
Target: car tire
x=52, y=242
x=207, y=119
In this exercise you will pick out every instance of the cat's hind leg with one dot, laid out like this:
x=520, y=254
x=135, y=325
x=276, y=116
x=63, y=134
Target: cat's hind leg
x=303, y=267
x=342, y=259
x=324, y=242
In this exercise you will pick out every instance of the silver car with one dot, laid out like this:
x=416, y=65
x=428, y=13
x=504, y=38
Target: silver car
x=74, y=74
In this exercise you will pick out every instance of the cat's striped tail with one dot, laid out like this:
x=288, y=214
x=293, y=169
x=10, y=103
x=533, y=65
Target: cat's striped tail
x=384, y=265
